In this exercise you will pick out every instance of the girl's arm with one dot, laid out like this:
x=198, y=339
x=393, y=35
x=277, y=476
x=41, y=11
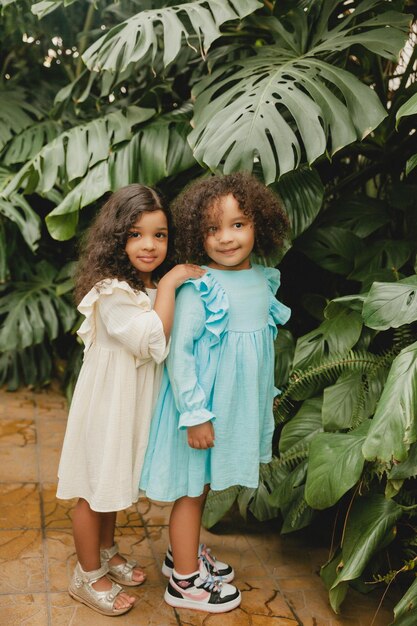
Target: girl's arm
x=189, y=324
x=165, y=296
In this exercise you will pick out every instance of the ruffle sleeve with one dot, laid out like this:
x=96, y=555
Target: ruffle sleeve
x=127, y=316
x=201, y=305
x=216, y=305
x=279, y=313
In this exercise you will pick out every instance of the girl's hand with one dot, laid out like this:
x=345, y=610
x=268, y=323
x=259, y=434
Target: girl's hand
x=201, y=436
x=180, y=273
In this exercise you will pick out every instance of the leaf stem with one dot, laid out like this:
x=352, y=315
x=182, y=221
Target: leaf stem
x=84, y=39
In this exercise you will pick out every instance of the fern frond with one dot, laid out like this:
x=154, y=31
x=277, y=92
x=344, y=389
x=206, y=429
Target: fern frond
x=293, y=456
x=303, y=383
x=404, y=336
x=297, y=511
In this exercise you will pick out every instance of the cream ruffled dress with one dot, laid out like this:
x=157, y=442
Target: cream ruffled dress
x=108, y=423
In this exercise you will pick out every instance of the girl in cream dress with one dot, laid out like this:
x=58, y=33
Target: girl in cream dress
x=128, y=318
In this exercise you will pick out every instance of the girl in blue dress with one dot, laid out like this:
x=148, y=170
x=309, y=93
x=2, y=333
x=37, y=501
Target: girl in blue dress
x=213, y=423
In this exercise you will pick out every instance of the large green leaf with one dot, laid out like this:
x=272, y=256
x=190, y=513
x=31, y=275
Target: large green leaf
x=408, y=108
x=217, y=505
x=394, y=426
x=370, y=525
x=352, y=398
x=382, y=255
x=16, y=114
x=360, y=215
x=31, y=311
x=328, y=574
x=335, y=335
x=333, y=248
x=302, y=193
x=156, y=151
x=406, y=606
x=197, y=22
x=406, y=469
x=17, y=209
x=390, y=305
x=283, y=106
x=306, y=423
x=30, y=141
x=77, y=150
x=335, y=465
x=40, y=9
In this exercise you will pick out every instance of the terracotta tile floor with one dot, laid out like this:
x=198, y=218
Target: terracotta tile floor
x=277, y=575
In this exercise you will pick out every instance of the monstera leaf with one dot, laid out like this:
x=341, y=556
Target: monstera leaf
x=155, y=151
x=197, y=22
x=336, y=335
x=16, y=114
x=287, y=102
x=32, y=311
x=77, y=150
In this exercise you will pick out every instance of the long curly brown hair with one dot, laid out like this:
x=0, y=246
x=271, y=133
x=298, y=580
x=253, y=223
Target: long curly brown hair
x=103, y=247
x=255, y=200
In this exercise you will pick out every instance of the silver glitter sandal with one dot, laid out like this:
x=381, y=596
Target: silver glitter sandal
x=122, y=573
x=81, y=589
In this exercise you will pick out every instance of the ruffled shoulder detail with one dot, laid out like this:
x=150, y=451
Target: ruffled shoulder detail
x=279, y=313
x=87, y=330
x=216, y=304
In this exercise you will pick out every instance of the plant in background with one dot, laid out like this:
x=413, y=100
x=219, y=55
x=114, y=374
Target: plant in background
x=309, y=95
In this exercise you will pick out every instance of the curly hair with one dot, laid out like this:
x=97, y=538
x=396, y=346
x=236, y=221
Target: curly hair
x=103, y=247
x=255, y=200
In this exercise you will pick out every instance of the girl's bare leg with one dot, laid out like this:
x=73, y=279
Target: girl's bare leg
x=107, y=541
x=184, y=532
x=86, y=527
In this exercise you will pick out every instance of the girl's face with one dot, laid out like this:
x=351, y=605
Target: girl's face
x=230, y=236
x=147, y=244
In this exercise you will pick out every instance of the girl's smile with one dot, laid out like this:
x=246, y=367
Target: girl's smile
x=147, y=244
x=230, y=236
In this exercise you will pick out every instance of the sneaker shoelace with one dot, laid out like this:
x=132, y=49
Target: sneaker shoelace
x=212, y=583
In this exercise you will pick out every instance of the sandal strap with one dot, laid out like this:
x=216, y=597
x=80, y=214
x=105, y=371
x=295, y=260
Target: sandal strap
x=108, y=553
x=93, y=575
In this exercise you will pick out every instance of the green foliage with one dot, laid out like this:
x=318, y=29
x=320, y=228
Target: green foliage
x=300, y=93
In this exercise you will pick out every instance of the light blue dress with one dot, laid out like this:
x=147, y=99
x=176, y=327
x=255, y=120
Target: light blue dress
x=221, y=368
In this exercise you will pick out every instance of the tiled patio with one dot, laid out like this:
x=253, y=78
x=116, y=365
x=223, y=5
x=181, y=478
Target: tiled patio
x=277, y=575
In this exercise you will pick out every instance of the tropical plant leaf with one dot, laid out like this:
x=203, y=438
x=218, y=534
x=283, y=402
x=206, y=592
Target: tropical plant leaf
x=406, y=469
x=17, y=209
x=40, y=9
x=411, y=164
x=297, y=514
x=382, y=255
x=32, y=311
x=335, y=335
x=333, y=248
x=408, y=108
x=77, y=150
x=290, y=105
x=217, y=505
x=302, y=427
x=360, y=215
x=328, y=574
x=340, y=401
x=370, y=525
x=390, y=305
x=156, y=151
x=302, y=193
x=335, y=465
x=16, y=114
x=197, y=22
x=30, y=141
x=407, y=606
x=394, y=426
